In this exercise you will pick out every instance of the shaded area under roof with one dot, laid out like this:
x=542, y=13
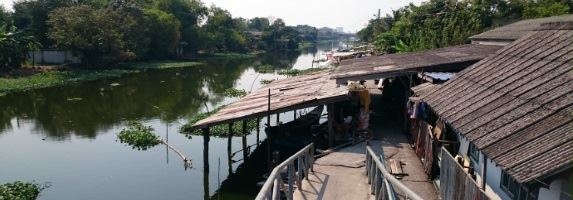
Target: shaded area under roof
x=286, y=94
x=516, y=106
x=452, y=58
x=518, y=29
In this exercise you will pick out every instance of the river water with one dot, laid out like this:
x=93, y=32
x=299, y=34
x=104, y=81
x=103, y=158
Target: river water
x=67, y=136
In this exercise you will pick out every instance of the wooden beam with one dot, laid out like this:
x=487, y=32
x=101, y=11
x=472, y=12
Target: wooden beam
x=244, y=141
x=229, y=146
x=330, y=110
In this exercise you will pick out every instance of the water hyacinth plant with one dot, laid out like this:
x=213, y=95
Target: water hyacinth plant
x=138, y=136
x=21, y=190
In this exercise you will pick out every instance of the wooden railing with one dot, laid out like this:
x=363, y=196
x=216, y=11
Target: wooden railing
x=382, y=183
x=272, y=188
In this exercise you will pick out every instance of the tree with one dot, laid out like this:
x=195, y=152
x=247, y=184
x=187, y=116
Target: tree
x=32, y=15
x=544, y=8
x=5, y=17
x=258, y=23
x=95, y=33
x=164, y=33
x=15, y=45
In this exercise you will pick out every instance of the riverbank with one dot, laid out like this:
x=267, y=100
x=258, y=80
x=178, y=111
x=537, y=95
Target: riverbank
x=27, y=79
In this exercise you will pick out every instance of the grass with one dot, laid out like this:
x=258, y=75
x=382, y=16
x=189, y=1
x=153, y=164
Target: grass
x=56, y=78
x=162, y=64
x=266, y=81
x=229, y=56
x=232, y=92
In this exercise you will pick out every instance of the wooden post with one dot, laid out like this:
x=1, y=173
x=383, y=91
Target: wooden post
x=244, y=140
x=330, y=110
x=269, y=137
x=294, y=114
x=229, y=146
x=206, y=163
x=258, y=130
x=278, y=118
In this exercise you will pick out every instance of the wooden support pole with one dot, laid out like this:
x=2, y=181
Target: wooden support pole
x=278, y=118
x=206, y=139
x=244, y=140
x=330, y=110
x=258, y=130
x=229, y=146
x=269, y=138
x=294, y=114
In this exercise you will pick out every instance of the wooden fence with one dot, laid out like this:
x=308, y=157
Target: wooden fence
x=455, y=183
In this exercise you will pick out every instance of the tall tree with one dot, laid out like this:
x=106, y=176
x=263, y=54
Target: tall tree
x=15, y=45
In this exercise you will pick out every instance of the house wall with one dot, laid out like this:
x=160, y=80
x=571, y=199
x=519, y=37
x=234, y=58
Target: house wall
x=553, y=192
x=493, y=176
x=53, y=57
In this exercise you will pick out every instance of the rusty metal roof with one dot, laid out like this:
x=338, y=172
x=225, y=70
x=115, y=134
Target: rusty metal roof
x=287, y=94
x=516, y=106
x=453, y=58
x=518, y=29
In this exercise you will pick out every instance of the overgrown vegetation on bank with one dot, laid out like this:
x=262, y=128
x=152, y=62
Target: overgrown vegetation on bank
x=56, y=78
x=441, y=23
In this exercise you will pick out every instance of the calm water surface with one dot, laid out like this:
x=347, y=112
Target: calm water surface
x=66, y=136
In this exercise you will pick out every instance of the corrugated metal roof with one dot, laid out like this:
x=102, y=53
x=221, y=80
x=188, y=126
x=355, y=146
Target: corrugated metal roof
x=286, y=94
x=423, y=88
x=453, y=58
x=516, y=106
x=443, y=76
x=518, y=29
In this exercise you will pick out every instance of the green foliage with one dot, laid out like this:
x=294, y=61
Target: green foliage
x=97, y=34
x=54, y=78
x=165, y=35
x=545, y=8
x=266, y=81
x=266, y=68
x=221, y=130
x=21, y=190
x=14, y=47
x=441, y=23
x=162, y=64
x=298, y=72
x=232, y=92
x=280, y=36
x=258, y=23
x=138, y=136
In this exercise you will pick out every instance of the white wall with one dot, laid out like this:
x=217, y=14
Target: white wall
x=493, y=176
x=553, y=192
x=53, y=57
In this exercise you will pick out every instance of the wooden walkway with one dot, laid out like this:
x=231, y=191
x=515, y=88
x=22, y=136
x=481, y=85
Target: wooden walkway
x=339, y=175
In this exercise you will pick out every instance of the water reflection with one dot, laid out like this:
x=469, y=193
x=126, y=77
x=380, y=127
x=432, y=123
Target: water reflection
x=86, y=108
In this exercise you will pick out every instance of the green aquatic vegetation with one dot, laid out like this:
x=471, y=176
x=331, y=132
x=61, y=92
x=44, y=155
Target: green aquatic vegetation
x=21, y=190
x=266, y=81
x=265, y=69
x=233, y=56
x=232, y=92
x=56, y=78
x=139, y=136
x=163, y=64
x=298, y=72
x=221, y=130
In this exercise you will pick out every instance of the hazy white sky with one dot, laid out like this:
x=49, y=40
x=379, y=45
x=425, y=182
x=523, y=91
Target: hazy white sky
x=352, y=15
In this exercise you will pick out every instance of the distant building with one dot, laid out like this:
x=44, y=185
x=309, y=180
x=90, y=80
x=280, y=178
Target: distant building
x=340, y=29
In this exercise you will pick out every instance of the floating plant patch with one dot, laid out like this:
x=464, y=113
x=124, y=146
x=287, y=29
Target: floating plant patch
x=138, y=136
